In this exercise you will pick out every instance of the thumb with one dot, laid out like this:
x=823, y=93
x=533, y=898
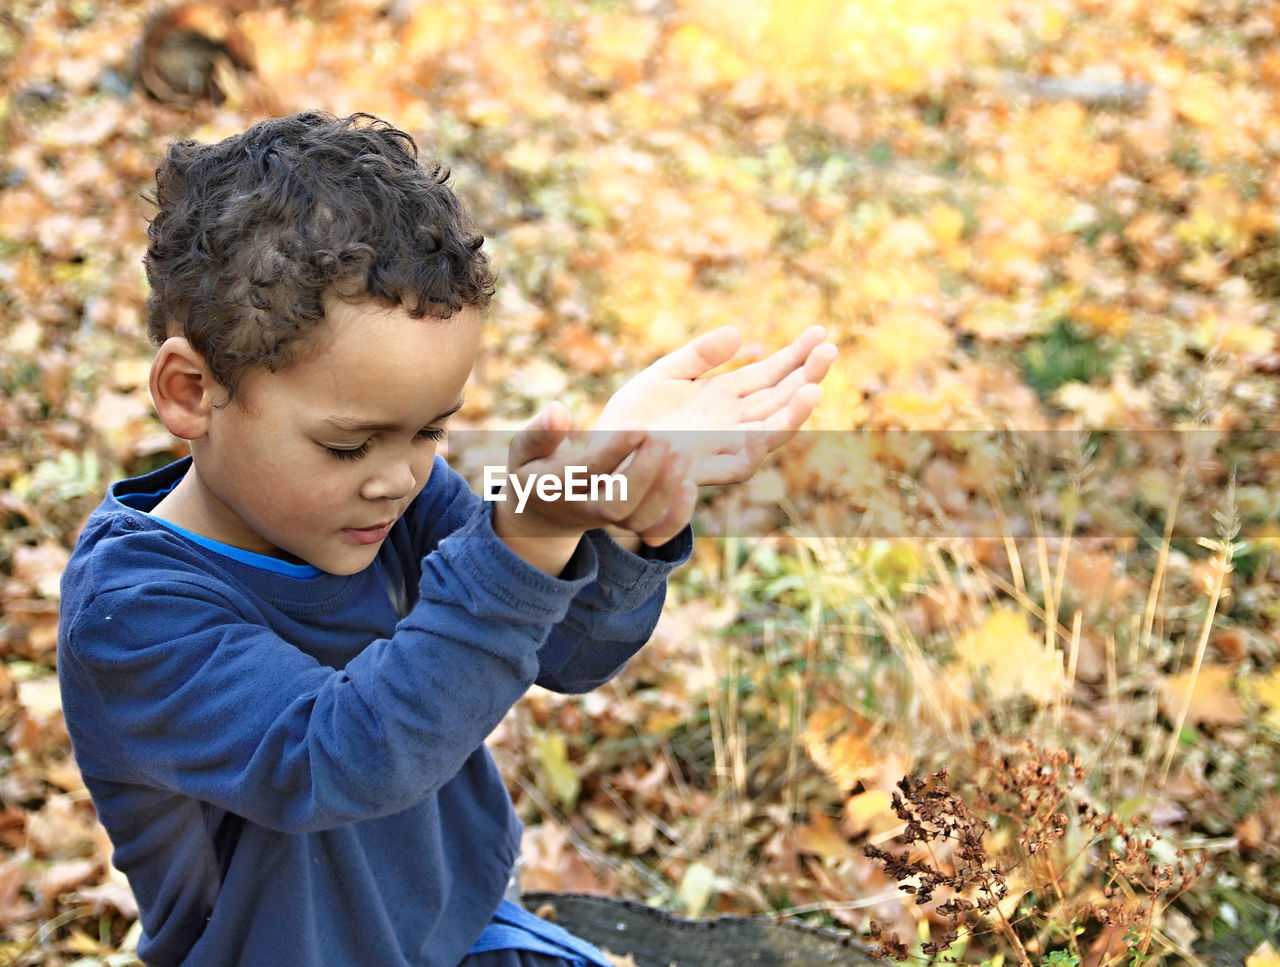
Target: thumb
x=540, y=436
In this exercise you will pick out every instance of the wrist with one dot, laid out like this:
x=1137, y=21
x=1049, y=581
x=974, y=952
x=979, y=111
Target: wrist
x=627, y=540
x=542, y=544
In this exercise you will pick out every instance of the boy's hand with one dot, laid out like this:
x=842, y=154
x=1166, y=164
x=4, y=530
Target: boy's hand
x=659, y=499
x=740, y=417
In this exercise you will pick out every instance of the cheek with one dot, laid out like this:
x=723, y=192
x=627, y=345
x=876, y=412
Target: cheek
x=301, y=491
x=422, y=469
x=325, y=492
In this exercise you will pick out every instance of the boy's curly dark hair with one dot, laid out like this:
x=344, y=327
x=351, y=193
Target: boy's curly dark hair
x=251, y=233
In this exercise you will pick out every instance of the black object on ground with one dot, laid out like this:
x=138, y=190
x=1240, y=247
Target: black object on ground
x=656, y=938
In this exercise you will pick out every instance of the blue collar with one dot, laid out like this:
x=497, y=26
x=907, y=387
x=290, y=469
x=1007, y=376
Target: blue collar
x=144, y=503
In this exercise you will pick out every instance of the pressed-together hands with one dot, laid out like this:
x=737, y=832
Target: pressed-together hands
x=667, y=430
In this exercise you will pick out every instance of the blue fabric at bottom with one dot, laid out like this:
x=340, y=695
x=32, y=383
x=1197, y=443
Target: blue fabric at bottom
x=516, y=929
x=517, y=958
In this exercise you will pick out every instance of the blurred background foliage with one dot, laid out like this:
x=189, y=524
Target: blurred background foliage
x=1038, y=215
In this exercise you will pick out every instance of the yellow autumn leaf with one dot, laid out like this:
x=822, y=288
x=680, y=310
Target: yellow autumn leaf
x=945, y=223
x=1266, y=690
x=1228, y=336
x=1010, y=659
x=906, y=337
x=915, y=404
x=904, y=238
x=435, y=27
x=617, y=45
x=821, y=838
x=276, y=63
x=1097, y=406
x=827, y=44
x=1200, y=100
x=703, y=58
x=1207, y=695
x=552, y=757
x=870, y=811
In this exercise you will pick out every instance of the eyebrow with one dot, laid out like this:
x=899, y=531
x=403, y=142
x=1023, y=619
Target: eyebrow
x=344, y=425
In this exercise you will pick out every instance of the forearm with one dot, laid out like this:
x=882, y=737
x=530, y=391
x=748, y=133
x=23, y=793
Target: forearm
x=612, y=618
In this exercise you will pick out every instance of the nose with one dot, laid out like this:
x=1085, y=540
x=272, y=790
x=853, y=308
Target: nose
x=393, y=481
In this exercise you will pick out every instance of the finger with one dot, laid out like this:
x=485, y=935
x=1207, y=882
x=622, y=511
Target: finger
x=679, y=513
x=642, y=471
x=608, y=452
x=765, y=403
x=732, y=467
x=760, y=440
x=697, y=358
x=657, y=502
x=783, y=425
x=819, y=362
x=540, y=436
x=771, y=371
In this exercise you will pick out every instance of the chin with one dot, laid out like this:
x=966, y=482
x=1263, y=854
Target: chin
x=345, y=566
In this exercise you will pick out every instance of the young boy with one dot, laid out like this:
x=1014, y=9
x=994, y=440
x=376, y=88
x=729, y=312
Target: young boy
x=280, y=657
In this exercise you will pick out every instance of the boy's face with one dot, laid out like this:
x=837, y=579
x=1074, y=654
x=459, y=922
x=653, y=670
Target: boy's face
x=316, y=462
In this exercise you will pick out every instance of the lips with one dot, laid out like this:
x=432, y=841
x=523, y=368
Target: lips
x=368, y=535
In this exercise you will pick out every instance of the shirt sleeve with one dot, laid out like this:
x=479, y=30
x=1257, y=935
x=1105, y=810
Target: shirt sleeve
x=211, y=704
x=610, y=617
x=613, y=616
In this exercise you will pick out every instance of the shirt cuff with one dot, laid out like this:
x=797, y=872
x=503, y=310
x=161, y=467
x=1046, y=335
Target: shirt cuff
x=627, y=579
x=475, y=549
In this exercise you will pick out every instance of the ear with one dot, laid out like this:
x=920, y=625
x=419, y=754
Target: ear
x=183, y=389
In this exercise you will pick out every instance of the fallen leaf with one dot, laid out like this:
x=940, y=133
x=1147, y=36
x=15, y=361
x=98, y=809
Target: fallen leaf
x=552, y=757
x=114, y=895
x=697, y=886
x=1010, y=659
x=821, y=837
x=40, y=568
x=1266, y=689
x=65, y=876
x=60, y=829
x=41, y=697
x=839, y=743
x=869, y=812
x=553, y=864
x=1208, y=697
x=13, y=876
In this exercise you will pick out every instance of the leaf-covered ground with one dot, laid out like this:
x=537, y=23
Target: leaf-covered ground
x=1012, y=216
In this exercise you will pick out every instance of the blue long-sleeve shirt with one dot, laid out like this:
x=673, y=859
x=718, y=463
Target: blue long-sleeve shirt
x=291, y=763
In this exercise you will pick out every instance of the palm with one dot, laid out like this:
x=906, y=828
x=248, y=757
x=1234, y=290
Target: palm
x=727, y=423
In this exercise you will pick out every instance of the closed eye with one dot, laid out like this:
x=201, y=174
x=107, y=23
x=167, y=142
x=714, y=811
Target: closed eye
x=435, y=435
x=355, y=453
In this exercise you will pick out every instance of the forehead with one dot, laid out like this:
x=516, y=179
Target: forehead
x=376, y=364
